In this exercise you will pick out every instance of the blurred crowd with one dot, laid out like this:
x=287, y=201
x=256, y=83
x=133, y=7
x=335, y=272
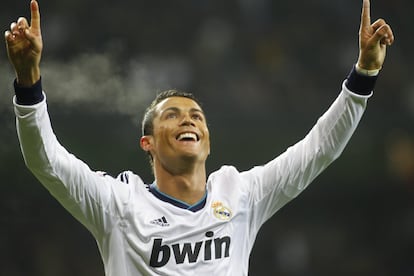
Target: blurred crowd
x=265, y=71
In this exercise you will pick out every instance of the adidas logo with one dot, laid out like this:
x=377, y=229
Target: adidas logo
x=160, y=221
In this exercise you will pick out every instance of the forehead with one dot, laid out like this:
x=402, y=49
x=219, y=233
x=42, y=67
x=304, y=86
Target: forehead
x=181, y=103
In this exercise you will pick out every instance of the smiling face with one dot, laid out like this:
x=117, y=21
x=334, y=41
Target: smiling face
x=180, y=134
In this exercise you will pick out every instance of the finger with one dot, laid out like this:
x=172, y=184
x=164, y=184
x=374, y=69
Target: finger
x=366, y=14
x=14, y=29
x=35, y=15
x=387, y=31
x=22, y=23
x=13, y=26
x=382, y=35
x=378, y=23
x=388, y=37
x=391, y=37
x=8, y=36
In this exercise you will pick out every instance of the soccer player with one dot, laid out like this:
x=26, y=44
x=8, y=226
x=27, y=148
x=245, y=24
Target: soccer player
x=186, y=222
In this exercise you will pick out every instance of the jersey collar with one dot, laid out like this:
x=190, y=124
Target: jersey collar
x=153, y=188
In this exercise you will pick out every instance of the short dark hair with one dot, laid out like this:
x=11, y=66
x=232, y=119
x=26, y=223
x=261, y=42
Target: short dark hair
x=147, y=121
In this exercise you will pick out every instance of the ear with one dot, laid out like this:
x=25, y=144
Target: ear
x=146, y=142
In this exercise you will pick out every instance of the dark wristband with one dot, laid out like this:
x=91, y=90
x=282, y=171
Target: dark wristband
x=359, y=83
x=29, y=95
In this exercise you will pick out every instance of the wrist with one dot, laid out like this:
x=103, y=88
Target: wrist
x=27, y=78
x=366, y=72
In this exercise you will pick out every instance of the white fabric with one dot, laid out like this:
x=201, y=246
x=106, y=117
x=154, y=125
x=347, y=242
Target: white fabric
x=130, y=224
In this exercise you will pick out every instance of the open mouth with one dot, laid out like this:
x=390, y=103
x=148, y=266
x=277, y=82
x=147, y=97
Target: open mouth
x=188, y=136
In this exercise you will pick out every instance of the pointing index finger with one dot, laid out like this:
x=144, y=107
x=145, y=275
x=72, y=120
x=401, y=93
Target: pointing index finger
x=366, y=14
x=35, y=15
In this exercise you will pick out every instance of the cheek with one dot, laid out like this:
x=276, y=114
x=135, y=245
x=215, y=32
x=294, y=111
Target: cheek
x=208, y=145
x=162, y=134
x=207, y=137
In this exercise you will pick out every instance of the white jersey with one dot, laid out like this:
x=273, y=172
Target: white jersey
x=140, y=231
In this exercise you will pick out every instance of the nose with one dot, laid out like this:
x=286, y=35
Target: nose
x=187, y=120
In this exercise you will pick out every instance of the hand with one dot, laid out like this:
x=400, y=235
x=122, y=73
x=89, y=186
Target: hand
x=373, y=40
x=24, y=47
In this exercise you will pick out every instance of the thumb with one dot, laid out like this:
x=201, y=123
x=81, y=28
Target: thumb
x=29, y=35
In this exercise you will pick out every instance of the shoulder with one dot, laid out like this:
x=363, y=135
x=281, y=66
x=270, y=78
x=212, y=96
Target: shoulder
x=227, y=178
x=225, y=172
x=124, y=178
x=231, y=172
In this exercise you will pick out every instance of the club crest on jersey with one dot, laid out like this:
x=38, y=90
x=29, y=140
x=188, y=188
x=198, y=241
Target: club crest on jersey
x=220, y=211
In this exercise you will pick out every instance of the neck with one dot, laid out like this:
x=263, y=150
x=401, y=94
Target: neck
x=187, y=185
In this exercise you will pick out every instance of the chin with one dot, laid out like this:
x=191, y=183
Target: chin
x=192, y=157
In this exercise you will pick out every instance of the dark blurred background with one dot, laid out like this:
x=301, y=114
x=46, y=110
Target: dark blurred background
x=265, y=71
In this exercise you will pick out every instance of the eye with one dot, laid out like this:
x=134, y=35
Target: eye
x=197, y=116
x=171, y=115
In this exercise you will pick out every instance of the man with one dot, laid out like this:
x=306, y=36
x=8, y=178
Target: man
x=184, y=223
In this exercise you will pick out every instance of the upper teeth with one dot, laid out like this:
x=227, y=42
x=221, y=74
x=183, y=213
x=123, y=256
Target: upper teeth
x=187, y=135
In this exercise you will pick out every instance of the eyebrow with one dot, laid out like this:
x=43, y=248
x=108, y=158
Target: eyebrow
x=176, y=109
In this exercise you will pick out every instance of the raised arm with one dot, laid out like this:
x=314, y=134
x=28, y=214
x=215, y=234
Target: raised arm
x=283, y=178
x=24, y=47
x=89, y=196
